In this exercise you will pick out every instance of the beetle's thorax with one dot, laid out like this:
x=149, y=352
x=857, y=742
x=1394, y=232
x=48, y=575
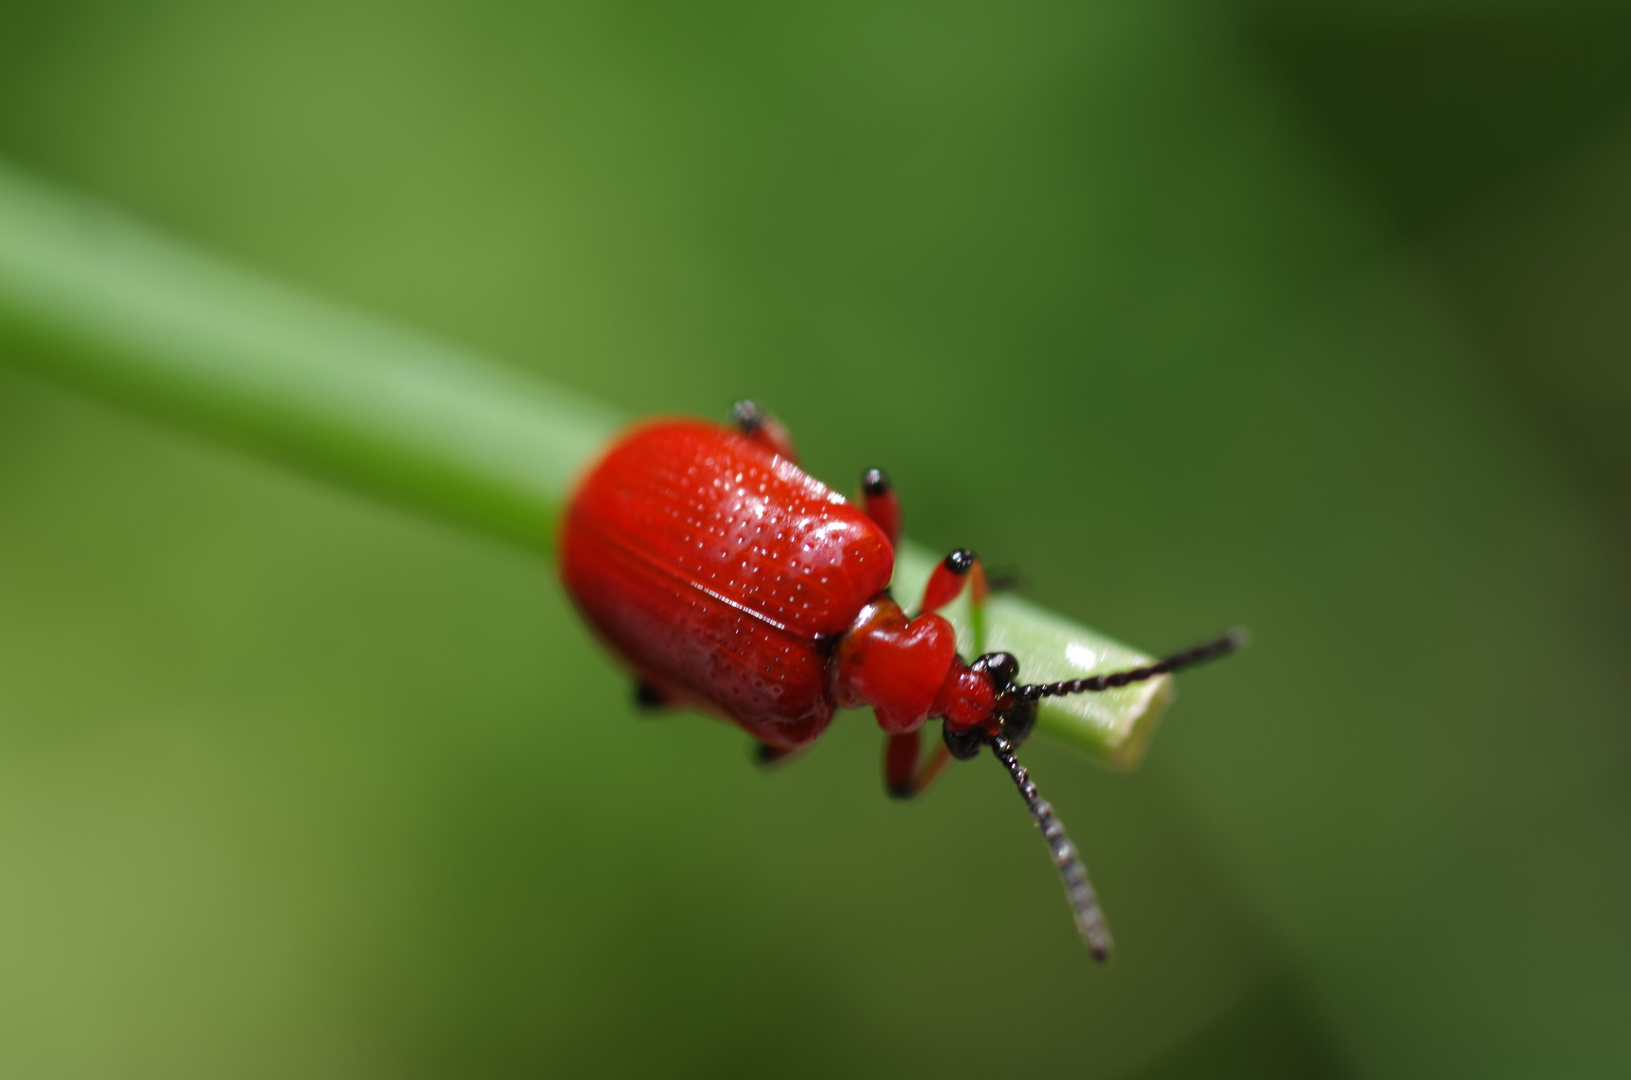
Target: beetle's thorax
x=908, y=670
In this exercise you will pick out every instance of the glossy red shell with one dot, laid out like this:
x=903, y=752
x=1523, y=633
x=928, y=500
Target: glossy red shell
x=721, y=573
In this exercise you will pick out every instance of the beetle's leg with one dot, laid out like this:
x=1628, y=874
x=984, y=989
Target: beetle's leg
x=1004, y=579
x=769, y=757
x=961, y=567
x=902, y=775
x=882, y=504
x=649, y=699
x=762, y=427
x=900, y=754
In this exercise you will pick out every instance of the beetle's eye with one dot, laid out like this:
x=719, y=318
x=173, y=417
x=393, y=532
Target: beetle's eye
x=1001, y=666
x=1018, y=721
x=964, y=745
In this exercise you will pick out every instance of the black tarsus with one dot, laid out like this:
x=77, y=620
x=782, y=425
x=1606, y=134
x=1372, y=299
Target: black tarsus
x=1200, y=654
x=1084, y=904
x=648, y=698
x=768, y=757
x=1004, y=579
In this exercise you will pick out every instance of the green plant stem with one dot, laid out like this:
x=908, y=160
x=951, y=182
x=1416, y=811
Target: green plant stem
x=94, y=299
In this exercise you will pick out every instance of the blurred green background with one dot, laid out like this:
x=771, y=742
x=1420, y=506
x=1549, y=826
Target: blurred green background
x=1200, y=313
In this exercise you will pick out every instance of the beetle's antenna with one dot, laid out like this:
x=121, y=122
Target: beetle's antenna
x=1235, y=639
x=1084, y=905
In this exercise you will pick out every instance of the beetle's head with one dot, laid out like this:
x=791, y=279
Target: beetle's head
x=1007, y=715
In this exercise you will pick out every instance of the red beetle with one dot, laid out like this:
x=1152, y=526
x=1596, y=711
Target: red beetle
x=732, y=581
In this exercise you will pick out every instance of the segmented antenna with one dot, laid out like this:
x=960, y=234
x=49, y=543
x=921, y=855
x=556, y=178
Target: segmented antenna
x=1084, y=905
x=1223, y=646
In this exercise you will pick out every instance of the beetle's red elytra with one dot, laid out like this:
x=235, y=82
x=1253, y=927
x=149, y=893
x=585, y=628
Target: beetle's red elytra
x=731, y=581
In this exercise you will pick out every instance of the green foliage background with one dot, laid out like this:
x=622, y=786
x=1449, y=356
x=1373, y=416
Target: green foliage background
x=1201, y=314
